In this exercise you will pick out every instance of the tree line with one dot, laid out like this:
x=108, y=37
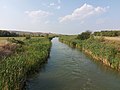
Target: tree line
x=88, y=34
x=8, y=34
x=107, y=33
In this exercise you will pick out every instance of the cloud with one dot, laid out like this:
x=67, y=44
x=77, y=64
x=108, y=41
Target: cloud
x=58, y=7
x=52, y=4
x=55, y=5
x=38, y=16
x=83, y=12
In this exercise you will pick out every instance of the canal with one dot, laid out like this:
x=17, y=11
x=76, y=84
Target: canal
x=70, y=69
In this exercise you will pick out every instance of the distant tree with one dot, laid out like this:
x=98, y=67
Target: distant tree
x=118, y=33
x=41, y=35
x=107, y=33
x=28, y=37
x=47, y=36
x=84, y=35
x=7, y=34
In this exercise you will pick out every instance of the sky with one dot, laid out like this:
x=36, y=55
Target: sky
x=60, y=16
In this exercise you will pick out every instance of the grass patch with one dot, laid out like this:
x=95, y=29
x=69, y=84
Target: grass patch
x=26, y=59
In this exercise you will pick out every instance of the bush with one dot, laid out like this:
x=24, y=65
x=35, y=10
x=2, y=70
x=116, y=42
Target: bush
x=13, y=40
x=107, y=33
x=84, y=35
x=28, y=37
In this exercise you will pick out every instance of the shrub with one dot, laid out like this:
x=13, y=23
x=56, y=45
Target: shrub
x=84, y=35
x=28, y=37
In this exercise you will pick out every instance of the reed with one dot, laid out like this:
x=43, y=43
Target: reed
x=26, y=60
x=107, y=52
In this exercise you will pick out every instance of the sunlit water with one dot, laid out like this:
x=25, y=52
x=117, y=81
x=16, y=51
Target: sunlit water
x=70, y=69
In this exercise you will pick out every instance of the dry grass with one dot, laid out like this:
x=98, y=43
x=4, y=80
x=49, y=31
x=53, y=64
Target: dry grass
x=3, y=40
x=114, y=41
x=7, y=48
x=113, y=38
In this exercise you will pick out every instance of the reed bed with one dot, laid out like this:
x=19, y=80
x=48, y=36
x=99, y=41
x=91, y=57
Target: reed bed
x=26, y=60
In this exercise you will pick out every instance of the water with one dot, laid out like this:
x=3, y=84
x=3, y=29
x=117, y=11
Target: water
x=70, y=69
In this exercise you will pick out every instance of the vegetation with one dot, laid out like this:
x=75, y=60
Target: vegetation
x=26, y=54
x=5, y=33
x=107, y=33
x=27, y=58
x=99, y=48
x=103, y=50
x=28, y=37
x=84, y=35
x=8, y=34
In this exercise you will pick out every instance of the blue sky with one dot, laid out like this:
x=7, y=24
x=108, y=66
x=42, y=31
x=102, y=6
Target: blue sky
x=59, y=16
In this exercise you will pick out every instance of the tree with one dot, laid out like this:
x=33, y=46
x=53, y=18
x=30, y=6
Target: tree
x=8, y=34
x=84, y=35
x=28, y=37
x=47, y=36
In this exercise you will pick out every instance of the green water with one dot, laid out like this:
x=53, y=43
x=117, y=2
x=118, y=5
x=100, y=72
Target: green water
x=70, y=69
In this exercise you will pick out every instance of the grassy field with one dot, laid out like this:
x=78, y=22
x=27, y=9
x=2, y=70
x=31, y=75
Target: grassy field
x=3, y=40
x=116, y=39
x=113, y=38
x=26, y=59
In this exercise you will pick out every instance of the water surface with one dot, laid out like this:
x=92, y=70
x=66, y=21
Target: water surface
x=70, y=69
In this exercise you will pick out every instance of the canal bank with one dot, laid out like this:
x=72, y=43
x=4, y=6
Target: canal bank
x=98, y=48
x=70, y=69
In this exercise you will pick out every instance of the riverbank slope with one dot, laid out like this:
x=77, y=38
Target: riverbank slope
x=26, y=59
x=100, y=49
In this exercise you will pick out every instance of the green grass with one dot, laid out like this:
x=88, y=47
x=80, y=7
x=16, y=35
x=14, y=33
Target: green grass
x=98, y=47
x=26, y=60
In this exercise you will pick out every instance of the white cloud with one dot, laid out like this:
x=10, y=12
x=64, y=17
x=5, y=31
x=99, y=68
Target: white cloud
x=83, y=12
x=55, y=5
x=52, y=4
x=58, y=7
x=38, y=16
